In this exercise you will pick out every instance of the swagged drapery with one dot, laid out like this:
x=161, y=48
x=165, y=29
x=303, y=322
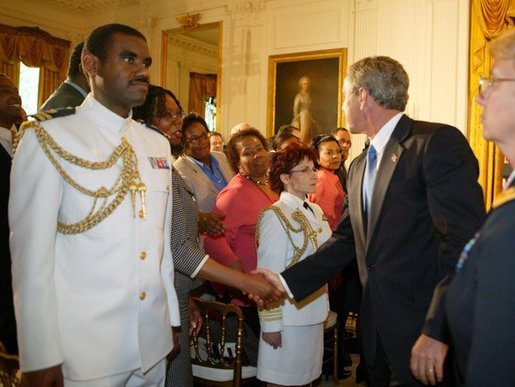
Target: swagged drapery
x=35, y=48
x=201, y=86
x=488, y=20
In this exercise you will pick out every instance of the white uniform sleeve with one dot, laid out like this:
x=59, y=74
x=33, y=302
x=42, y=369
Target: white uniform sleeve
x=272, y=254
x=35, y=197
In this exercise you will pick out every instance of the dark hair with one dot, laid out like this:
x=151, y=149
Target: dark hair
x=188, y=121
x=334, y=132
x=281, y=138
x=232, y=148
x=284, y=160
x=100, y=38
x=286, y=129
x=323, y=138
x=74, y=63
x=154, y=105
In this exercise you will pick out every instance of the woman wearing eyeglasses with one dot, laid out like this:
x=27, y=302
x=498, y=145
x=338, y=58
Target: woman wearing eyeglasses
x=291, y=342
x=205, y=172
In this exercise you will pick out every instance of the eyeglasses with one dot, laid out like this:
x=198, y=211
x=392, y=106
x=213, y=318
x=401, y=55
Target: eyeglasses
x=172, y=116
x=195, y=140
x=305, y=170
x=486, y=84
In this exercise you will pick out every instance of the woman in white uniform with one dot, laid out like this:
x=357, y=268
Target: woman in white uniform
x=291, y=342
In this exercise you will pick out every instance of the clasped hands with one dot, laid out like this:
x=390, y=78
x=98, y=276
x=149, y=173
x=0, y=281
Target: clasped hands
x=268, y=288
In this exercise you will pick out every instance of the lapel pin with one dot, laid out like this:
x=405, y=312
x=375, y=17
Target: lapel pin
x=394, y=158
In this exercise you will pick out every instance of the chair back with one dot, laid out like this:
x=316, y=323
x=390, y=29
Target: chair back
x=217, y=351
x=9, y=369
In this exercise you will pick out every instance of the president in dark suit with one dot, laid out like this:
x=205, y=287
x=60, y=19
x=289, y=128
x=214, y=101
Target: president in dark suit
x=413, y=202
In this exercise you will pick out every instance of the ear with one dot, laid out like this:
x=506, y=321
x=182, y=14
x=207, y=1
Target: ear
x=89, y=63
x=285, y=179
x=362, y=97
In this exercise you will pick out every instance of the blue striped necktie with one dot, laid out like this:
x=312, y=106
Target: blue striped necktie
x=370, y=176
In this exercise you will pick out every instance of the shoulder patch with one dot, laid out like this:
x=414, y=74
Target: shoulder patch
x=53, y=113
x=504, y=197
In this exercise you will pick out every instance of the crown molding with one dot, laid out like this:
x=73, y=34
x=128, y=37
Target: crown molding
x=193, y=44
x=82, y=7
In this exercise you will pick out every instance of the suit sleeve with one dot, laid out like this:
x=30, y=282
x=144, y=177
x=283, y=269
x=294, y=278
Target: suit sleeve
x=455, y=202
x=34, y=204
x=317, y=269
x=272, y=254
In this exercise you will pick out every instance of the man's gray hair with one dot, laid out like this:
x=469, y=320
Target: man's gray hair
x=384, y=78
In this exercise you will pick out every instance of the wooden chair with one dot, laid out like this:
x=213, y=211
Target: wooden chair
x=217, y=352
x=9, y=369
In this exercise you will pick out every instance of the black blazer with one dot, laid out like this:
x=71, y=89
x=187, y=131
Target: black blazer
x=426, y=205
x=481, y=304
x=7, y=320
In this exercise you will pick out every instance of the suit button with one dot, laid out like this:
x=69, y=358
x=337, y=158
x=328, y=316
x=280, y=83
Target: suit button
x=142, y=296
x=371, y=268
x=143, y=255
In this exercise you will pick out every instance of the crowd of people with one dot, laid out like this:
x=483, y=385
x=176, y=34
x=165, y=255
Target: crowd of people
x=116, y=205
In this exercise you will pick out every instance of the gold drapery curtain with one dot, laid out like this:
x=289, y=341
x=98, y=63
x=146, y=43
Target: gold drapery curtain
x=201, y=86
x=35, y=48
x=12, y=70
x=488, y=20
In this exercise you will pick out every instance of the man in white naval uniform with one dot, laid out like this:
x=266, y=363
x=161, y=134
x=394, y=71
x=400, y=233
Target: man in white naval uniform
x=90, y=224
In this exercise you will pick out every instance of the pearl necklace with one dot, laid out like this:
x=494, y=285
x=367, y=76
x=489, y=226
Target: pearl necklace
x=257, y=182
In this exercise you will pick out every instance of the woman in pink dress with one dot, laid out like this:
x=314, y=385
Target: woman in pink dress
x=240, y=202
x=329, y=192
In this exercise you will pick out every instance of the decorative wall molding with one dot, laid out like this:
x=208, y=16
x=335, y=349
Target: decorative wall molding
x=193, y=44
x=85, y=6
x=246, y=6
x=365, y=4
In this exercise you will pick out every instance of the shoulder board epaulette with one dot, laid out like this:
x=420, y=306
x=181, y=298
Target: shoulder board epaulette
x=152, y=127
x=504, y=197
x=53, y=113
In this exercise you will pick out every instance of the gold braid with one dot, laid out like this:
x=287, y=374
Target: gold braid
x=129, y=177
x=304, y=227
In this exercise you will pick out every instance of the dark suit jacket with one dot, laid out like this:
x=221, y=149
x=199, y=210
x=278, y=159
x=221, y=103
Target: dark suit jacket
x=481, y=304
x=7, y=320
x=65, y=95
x=426, y=205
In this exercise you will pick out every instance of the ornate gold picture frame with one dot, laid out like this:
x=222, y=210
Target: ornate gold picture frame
x=316, y=105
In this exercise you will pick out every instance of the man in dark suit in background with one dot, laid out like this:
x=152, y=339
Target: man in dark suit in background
x=413, y=202
x=10, y=113
x=74, y=89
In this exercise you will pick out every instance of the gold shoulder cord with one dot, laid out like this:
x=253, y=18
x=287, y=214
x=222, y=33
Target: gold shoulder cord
x=304, y=227
x=128, y=180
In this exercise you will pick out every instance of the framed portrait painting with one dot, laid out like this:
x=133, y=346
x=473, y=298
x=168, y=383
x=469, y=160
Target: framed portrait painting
x=304, y=90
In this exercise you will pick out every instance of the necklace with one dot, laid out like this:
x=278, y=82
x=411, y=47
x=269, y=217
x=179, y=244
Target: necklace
x=256, y=181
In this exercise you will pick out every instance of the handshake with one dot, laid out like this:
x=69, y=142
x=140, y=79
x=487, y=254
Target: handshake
x=264, y=287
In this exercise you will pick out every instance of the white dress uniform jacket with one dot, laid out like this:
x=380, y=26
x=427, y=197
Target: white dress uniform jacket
x=198, y=182
x=101, y=302
x=275, y=252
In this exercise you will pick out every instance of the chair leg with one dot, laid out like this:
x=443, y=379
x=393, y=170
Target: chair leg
x=335, y=356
